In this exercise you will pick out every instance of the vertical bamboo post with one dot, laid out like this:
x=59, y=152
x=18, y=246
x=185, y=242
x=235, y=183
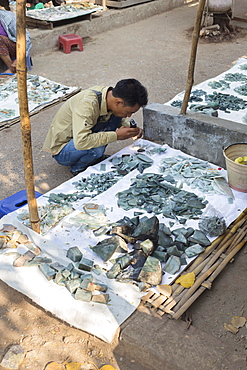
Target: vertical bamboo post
x=24, y=113
x=195, y=37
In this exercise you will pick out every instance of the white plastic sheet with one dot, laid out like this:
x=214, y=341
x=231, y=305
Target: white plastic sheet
x=236, y=116
x=97, y=319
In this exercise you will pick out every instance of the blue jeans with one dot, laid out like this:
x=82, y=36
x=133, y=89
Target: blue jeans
x=79, y=160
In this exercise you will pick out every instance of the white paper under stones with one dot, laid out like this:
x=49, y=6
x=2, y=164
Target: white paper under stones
x=237, y=116
x=10, y=102
x=102, y=320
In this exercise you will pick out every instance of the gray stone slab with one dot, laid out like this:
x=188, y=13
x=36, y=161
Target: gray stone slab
x=196, y=134
x=168, y=344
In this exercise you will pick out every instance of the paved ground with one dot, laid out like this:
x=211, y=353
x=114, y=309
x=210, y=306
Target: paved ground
x=156, y=51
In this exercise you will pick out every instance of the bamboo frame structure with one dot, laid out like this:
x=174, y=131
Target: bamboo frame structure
x=206, y=267
x=195, y=37
x=24, y=113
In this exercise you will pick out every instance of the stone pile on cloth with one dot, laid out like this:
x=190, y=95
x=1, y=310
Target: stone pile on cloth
x=101, y=320
x=224, y=96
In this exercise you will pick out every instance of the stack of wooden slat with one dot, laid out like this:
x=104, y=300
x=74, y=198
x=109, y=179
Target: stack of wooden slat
x=206, y=267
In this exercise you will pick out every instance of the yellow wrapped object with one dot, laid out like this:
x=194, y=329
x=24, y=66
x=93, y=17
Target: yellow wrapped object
x=186, y=280
x=241, y=160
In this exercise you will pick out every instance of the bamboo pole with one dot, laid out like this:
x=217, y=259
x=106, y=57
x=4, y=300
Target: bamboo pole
x=24, y=113
x=227, y=241
x=195, y=37
x=186, y=304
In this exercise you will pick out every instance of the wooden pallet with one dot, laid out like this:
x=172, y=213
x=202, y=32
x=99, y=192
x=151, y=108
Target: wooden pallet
x=49, y=25
x=206, y=267
x=124, y=3
x=8, y=123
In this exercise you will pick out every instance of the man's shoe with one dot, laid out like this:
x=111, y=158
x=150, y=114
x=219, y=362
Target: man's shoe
x=76, y=172
x=100, y=159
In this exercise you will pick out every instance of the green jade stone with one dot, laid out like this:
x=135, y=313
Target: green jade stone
x=147, y=246
x=70, y=267
x=87, y=284
x=59, y=277
x=38, y=261
x=72, y=285
x=194, y=250
x=200, y=238
x=151, y=272
x=181, y=238
x=83, y=295
x=74, y=254
x=114, y=271
x=162, y=256
x=47, y=271
x=106, y=248
x=57, y=266
x=172, y=265
x=74, y=275
x=101, y=287
x=85, y=264
x=66, y=273
x=173, y=251
x=124, y=261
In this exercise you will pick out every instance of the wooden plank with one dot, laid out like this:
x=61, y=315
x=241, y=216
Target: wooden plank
x=124, y=3
x=158, y=301
x=147, y=296
x=31, y=22
x=239, y=9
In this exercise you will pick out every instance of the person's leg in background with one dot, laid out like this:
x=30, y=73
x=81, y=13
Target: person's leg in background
x=8, y=53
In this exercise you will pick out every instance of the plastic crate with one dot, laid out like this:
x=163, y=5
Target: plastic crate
x=13, y=202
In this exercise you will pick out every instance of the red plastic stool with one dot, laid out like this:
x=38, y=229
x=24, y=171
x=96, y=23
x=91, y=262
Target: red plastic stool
x=68, y=40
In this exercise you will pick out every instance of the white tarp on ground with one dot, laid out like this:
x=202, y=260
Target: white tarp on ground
x=41, y=92
x=97, y=319
x=62, y=12
x=237, y=116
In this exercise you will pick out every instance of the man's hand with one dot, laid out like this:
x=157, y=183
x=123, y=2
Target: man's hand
x=124, y=133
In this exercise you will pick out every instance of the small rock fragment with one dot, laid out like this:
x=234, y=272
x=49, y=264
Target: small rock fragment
x=165, y=289
x=238, y=321
x=85, y=264
x=20, y=261
x=151, y=272
x=230, y=328
x=47, y=271
x=100, y=298
x=13, y=358
x=83, y=295
x=74, y=254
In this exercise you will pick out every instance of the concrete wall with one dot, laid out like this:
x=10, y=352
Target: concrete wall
x=196, y=134
x=43, y=40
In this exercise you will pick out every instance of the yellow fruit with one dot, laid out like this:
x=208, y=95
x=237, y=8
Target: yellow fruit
x=239, y=160
x=107, y=367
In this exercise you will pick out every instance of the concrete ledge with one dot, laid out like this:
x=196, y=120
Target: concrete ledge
x=199, y=135
x=45, y=40
x=168, y=344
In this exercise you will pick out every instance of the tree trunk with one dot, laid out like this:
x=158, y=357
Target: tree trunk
x=195, y=37
x=24, y=113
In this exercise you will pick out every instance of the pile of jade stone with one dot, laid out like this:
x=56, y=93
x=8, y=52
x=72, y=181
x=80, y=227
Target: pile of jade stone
x=155, y=249
x=152, y=193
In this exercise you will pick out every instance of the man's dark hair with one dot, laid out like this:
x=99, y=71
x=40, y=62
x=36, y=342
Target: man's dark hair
x=131, y=91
